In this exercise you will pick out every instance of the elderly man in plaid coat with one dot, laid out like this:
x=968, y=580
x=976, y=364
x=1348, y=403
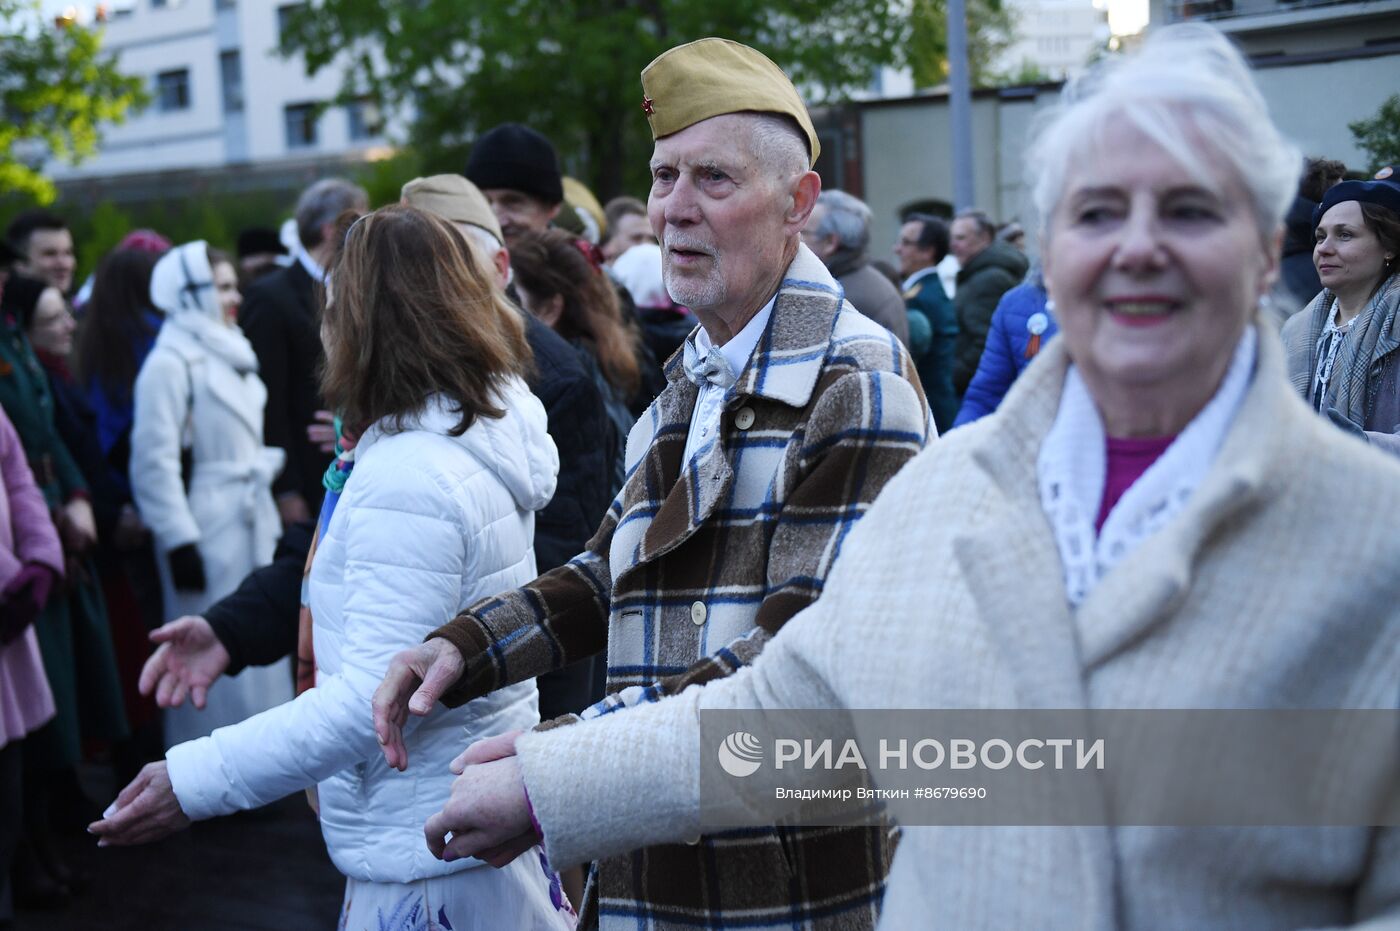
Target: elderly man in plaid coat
x=784, y=415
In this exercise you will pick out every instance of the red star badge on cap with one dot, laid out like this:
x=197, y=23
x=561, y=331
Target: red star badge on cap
x=647, y=107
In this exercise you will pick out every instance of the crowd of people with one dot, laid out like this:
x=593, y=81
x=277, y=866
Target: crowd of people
x=456, y=513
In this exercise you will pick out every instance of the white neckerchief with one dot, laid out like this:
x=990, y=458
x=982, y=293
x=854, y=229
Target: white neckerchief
x=316, y=272
x=709, y=403
x=1072, y=466
x=918, y=276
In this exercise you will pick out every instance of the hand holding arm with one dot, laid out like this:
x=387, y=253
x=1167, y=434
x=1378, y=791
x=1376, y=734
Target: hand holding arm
x=416, y=680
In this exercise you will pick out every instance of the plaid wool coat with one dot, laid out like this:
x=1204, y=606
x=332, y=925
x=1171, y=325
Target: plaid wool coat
x=697, y=564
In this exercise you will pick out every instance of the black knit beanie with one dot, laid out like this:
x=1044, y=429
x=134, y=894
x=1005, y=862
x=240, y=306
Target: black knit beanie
x=518, y=158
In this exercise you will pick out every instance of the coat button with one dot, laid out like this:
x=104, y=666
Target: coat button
x=697, y=613
x=743, y=418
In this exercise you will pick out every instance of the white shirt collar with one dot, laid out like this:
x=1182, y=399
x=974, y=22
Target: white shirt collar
x=741, y=345
x=316, y=272
x=918, y=276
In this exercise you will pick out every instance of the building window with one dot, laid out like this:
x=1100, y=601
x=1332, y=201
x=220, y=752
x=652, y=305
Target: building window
x=283, y=14
x=365, y=120
x=173, y=90
x=300, y=119
x=231, y=70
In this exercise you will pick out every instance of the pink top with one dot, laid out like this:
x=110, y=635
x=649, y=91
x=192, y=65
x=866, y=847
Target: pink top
x=26, y=535
x=1128, y=458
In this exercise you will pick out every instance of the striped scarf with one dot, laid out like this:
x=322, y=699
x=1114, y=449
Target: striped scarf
x=1372, y=335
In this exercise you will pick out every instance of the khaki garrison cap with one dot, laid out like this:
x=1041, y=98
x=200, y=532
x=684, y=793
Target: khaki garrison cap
x=711, y=77
x=453, y=198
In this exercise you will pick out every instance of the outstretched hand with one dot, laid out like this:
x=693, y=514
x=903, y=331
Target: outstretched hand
x=189, y=659
x=417, y=678
x=145, y=811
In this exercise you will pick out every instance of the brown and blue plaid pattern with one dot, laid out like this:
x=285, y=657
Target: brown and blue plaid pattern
x=697, y=564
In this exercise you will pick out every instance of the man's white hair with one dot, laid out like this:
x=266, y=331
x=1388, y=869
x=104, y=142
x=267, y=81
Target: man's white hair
x=781, y=149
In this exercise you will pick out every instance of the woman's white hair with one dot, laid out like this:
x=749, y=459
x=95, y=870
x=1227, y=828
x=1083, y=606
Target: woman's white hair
x=1189, y=91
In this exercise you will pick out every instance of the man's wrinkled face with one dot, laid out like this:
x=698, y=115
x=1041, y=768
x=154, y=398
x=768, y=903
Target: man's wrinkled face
x=49, y=257
x=718, y=215
x=518, y=212
x=966, y=239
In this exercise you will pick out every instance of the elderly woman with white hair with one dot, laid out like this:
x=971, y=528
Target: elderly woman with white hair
x=1111, y=537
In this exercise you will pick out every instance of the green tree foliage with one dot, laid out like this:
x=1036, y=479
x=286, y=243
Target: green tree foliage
x=1379, y=137
x=570, y=67
x=990, y=26
x=56, y=89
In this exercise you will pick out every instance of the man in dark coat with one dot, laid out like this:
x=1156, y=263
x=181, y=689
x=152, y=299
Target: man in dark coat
x=988, y=270
x=279, y=318
x=933, y=326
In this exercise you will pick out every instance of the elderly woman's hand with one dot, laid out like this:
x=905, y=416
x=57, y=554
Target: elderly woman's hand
x=145, y=811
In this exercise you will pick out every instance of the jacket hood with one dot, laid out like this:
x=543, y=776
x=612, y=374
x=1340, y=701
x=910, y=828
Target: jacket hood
x=182, y=282
x=997, y=255
x=516, y=447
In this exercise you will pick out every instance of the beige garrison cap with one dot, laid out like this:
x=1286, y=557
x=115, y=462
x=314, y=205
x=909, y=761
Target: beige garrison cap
x=711, y=77
x=453, y=198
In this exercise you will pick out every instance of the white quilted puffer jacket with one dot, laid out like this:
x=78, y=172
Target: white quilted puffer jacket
x=427, y=524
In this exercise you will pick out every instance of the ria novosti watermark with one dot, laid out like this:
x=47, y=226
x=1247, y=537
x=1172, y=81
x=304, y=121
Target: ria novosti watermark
x=1179, y=767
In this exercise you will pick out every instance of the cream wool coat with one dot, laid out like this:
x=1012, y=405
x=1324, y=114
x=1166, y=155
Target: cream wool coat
x=1276, y=587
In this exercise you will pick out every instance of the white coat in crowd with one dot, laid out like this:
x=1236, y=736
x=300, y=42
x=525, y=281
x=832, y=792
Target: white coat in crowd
x=199, y=390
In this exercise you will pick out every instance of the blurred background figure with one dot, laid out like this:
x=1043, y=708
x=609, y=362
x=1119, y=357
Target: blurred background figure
x=578, y=199
x=838, y=231
x=31, y=569
x=1013, y=234
x=988, y=268
x=44, y=247
x=260, y=251
x=279, y=319
x=517, y=170
x=1343, y=348
x=74, y=637
x=561, y=287
x=200, y=473
x=933, y=326
x=665, y=324
x=1298, y=280
x=117, y=331
x=627, y=226
x=1023, y=323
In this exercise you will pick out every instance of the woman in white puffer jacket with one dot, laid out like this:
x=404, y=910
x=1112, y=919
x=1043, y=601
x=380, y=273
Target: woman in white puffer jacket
x=431, y=509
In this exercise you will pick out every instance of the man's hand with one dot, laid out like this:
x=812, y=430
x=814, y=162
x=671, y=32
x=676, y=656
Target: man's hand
x=487, y=815
x=416, y=679
x=291, y=507
x=145, y=811
x=189, y=659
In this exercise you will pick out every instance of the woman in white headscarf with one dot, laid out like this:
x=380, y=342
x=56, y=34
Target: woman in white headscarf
x=200, y=473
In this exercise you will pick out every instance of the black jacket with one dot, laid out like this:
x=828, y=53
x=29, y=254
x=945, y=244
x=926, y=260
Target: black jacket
x=258, y=623
x=1297, y=269
x=279, y=319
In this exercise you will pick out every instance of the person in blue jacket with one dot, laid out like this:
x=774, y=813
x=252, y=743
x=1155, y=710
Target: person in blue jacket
x=1023, y=322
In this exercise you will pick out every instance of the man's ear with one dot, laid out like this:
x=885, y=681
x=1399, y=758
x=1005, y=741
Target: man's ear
x=805, y=191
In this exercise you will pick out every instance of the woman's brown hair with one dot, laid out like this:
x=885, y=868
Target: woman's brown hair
x=549, y=263
x=409, y=314
x=1385, y=223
